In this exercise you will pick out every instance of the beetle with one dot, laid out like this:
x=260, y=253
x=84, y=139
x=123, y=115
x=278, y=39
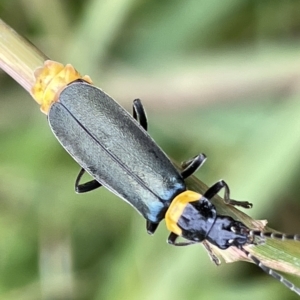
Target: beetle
x=111, y=145
x=116, y=150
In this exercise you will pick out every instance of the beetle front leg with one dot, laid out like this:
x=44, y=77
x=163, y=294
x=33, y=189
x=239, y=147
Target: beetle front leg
x=172, y=240
x=215, y=189
x=211, y=254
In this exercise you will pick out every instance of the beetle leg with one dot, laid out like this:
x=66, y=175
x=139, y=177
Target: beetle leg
x=211, y=254
x=85, y=187
x=215, y=189
x=172, y=240
x=139, y=113
x=151, y=227
x=192, y=165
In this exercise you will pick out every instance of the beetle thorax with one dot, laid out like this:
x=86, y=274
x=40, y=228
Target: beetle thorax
x=197, y=220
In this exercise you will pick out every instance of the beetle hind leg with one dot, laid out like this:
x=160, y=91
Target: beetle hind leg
x=87, y=186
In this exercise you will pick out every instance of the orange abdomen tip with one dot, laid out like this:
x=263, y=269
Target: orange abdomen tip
x=51, y=78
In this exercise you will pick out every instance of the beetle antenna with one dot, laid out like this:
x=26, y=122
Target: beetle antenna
x=270, y=271
x=275, y=235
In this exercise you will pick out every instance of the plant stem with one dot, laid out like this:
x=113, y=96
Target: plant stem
x=18, y=57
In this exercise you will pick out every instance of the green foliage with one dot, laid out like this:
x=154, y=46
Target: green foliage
x=218, y=77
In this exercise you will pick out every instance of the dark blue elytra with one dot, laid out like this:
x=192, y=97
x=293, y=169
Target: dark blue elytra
x=115, y=149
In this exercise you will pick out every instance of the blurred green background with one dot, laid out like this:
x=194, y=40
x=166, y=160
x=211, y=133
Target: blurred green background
x=218, y=77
